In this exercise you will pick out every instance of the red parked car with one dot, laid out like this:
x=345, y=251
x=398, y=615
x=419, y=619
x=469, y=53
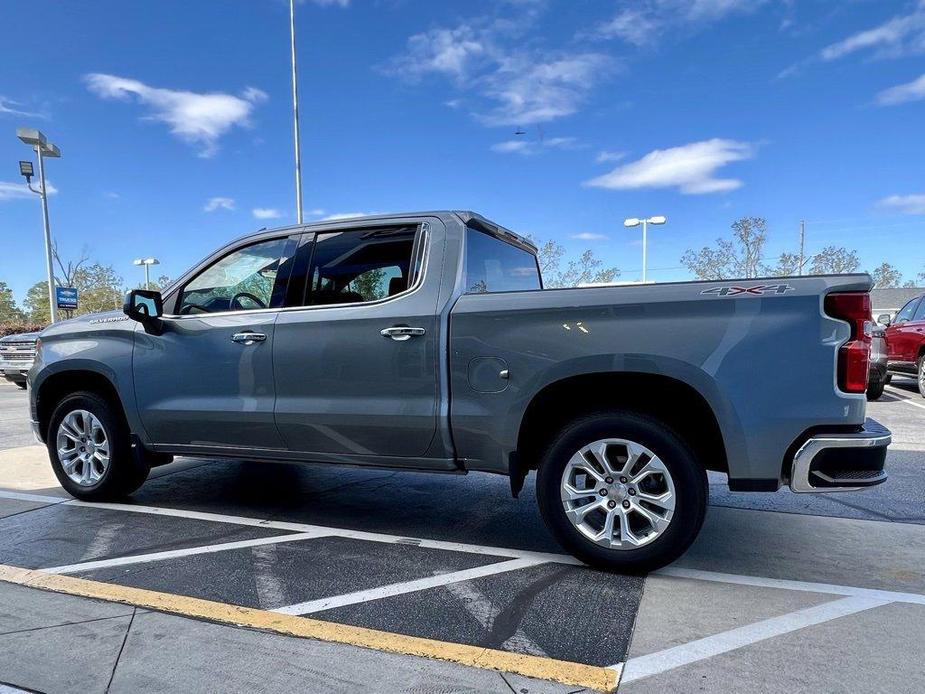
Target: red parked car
x=905, y=340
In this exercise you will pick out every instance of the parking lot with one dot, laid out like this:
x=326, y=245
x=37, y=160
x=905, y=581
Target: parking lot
x=274, y=577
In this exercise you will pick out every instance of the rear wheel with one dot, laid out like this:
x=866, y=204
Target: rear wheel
x=875, y=388
x=90, y=450
x=622, y=491
x=921, y=376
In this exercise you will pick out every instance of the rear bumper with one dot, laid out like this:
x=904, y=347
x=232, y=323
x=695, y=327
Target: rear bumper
x=841, y=462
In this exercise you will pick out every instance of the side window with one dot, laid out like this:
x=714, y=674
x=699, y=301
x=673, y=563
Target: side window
x=248, y=278
x=905, y=313
x=495, y=266
x=351, y=267
x=920, y=312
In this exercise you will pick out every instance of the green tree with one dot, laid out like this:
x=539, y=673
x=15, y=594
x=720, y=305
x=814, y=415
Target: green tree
x=36, y=303
x=834, y=260
x=886, y=276
x=9, y=311
x=738, y=257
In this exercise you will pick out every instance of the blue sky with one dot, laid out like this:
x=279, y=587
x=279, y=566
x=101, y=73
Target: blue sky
x=174, y=122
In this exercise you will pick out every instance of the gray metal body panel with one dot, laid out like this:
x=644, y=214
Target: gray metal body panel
x=325, y=386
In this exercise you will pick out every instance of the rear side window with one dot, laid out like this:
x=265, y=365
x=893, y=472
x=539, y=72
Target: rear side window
x=351, y=267
x=495, y=266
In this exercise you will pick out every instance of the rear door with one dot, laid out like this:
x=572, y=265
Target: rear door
x=356, y=365
x=207, y=380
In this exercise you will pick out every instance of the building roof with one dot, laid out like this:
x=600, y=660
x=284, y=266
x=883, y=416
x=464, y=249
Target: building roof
x=893, y=299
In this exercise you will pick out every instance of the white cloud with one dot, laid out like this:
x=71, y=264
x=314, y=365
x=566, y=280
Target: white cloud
x=10, y=107
x=13, y=191
x=903, y=93
x=635, y=26
x=328, y=3
x=317, y=212
x=343, y=215
x=520, y=86
x=588, y=236
x=897, y=36
x=605, y=156
x=907, y=204
x=218, y=203
x=197, y=119
x=642, y=24
x=530, y=147
x=266, y=213
x=691, y=168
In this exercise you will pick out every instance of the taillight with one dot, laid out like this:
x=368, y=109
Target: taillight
x=854, y=355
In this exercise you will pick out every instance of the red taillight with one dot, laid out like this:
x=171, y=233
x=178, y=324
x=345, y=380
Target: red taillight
x=854, y=355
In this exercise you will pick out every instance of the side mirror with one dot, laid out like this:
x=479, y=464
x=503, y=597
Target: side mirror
x=884, y=319
x=143, y=305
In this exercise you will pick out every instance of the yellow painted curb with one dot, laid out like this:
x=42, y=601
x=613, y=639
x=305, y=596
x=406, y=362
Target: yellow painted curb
x=562, y=671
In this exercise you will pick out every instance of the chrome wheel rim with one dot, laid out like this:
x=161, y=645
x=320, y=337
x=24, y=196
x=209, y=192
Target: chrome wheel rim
x=83, y=447
x=618, y=494
x=922, y=377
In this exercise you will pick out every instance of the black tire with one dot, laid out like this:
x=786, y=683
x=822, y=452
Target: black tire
x=920, y=376
x=875, y=388
x=689, y=478
x=887, y=379
x=124, y=474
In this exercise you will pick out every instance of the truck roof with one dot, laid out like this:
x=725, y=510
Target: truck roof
x=472, y=219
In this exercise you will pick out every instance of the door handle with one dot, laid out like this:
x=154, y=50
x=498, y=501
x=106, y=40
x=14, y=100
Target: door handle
x=400, y=333
x=248, y=338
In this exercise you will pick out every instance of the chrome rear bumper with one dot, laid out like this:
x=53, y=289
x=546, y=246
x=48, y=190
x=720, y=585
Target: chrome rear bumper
x=841, y=462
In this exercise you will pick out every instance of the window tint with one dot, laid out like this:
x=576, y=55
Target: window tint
x=357, y=266
x=495, y=266
x=248, y=278
x=920, y=312
x=905, y=313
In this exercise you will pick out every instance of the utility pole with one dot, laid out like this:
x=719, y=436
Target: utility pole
x=802, y=241
x=295, y=117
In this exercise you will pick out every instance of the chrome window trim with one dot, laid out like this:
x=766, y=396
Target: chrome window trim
x=418, y=283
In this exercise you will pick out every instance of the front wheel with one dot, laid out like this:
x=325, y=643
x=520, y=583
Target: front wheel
x=90, y=450
x=622, y=491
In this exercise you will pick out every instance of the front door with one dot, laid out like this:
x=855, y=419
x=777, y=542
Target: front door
x=356, y=368
x=901, y=337
x=207, y=380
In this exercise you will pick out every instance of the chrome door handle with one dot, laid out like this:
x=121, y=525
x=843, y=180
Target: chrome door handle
x=400, y=333
x=248, y=338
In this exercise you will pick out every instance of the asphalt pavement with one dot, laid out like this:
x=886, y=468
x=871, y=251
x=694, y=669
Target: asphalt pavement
x=336, y=579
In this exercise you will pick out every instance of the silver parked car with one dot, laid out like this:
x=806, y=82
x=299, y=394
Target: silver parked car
x=17, y=353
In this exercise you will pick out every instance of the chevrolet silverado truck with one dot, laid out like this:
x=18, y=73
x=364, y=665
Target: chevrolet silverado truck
x=427, y=342
x=17, y=353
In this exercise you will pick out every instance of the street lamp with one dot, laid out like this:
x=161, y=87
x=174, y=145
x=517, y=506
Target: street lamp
x=295, y=116
x=147, y=262
x=43, y=148
x=634, y=222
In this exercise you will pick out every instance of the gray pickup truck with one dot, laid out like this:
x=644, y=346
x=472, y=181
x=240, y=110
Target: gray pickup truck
x=426, y=342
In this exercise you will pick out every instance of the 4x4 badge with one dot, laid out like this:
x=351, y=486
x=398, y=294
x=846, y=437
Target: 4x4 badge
x=757, y=289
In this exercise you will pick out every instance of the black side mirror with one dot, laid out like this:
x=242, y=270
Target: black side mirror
x=145, y=306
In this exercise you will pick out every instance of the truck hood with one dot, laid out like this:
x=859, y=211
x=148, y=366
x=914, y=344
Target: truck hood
x=89, y=323
x=20, y=337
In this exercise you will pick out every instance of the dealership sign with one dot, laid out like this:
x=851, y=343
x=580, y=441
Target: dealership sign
x=66, y=297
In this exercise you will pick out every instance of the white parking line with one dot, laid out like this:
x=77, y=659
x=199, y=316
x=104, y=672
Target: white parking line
x=898, y=395
x=175, y=553
x=671, y=658
x=38, y=498
x=393, y=589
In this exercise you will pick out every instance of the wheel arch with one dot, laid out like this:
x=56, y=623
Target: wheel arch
x=668, y=399
x=57, y=386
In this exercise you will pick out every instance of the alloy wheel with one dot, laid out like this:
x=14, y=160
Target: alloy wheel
x=83, y=447
x=618, y=494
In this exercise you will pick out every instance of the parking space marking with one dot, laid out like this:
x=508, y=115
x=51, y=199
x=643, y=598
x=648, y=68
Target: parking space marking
x=897, y=394
x=38, y=498
x=786, y=584
x=565, y=672
x=707, y=647
x=393, y=589
x=176, y=553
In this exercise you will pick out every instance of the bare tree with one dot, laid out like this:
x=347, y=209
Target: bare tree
x=585, y=269
x=788, y=265
x=886, y=276
x=835, y=260
x=731, y=258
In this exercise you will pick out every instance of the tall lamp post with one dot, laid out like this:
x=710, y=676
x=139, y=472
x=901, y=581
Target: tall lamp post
x=634, y=222
x=295, y=116
x=147, y=262
x=43, y=148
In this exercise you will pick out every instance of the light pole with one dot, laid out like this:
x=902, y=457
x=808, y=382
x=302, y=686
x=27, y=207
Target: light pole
x=634, y=222
x=147, y=262
x=295, y=116
x=43, y=148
